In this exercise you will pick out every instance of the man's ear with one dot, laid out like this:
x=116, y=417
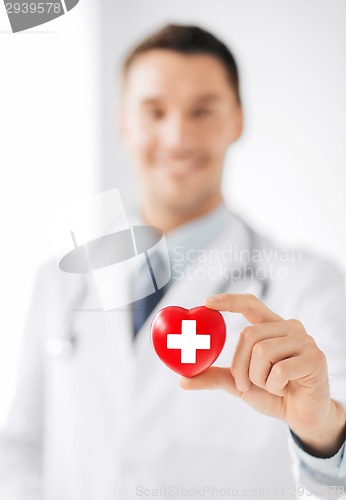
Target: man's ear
x=238, y=123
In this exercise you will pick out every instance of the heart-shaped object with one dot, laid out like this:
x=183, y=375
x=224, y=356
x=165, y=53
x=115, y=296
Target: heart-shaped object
x=188, y=340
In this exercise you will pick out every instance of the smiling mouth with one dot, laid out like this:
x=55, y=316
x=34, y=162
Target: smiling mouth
x=179, y=168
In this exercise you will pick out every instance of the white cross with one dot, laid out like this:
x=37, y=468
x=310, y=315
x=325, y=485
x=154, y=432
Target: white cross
x=188, y=341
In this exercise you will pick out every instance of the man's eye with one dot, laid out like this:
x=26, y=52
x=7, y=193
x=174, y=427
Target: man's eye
x=154, y=114
x=201, y=113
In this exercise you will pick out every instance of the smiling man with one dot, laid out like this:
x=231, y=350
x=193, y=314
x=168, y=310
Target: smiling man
x=112, y=422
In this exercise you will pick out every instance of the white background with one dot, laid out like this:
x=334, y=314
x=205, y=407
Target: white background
x=50, y=148
x=287, y=175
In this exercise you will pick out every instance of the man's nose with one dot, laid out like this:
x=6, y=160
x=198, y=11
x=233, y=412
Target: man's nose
x=177, y=132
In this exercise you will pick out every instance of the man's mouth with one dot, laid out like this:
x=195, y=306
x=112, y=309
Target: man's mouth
x=179, y=167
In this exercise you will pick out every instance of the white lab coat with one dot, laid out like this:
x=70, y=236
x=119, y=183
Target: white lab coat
x=111, y=421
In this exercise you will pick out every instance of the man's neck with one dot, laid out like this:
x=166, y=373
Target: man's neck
x=167, y=220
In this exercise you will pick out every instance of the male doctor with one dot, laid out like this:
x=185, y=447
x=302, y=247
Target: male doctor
x=112, y=421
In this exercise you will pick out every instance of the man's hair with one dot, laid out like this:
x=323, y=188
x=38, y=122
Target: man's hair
x=187, y=40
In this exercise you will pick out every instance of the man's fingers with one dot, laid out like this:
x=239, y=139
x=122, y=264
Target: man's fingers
x=250, y=306
x=267, y=353
x=295, y=368
x=213, y=378
x=254, y=337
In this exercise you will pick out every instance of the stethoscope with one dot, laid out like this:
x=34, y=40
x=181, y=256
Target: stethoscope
x=62, y=343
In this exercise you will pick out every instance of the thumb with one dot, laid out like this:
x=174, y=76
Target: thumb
x=213, y=378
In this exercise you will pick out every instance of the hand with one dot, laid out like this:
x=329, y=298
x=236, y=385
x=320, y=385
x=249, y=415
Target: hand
x=278, y=369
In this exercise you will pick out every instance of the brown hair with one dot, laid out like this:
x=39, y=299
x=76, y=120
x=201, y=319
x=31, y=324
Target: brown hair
x=187, y=40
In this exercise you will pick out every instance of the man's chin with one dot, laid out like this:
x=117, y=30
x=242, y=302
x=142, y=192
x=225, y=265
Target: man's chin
x=182, y=204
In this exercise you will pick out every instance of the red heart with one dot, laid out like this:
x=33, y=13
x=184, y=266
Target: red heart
x=188, y=340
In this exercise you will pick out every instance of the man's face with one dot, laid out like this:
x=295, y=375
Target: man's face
x=179, y=115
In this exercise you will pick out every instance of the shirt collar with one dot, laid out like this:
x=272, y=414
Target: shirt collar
x=196, y=234
x=193, y=235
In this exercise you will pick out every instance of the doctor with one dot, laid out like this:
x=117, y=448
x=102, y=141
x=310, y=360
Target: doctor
x=111, y=421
